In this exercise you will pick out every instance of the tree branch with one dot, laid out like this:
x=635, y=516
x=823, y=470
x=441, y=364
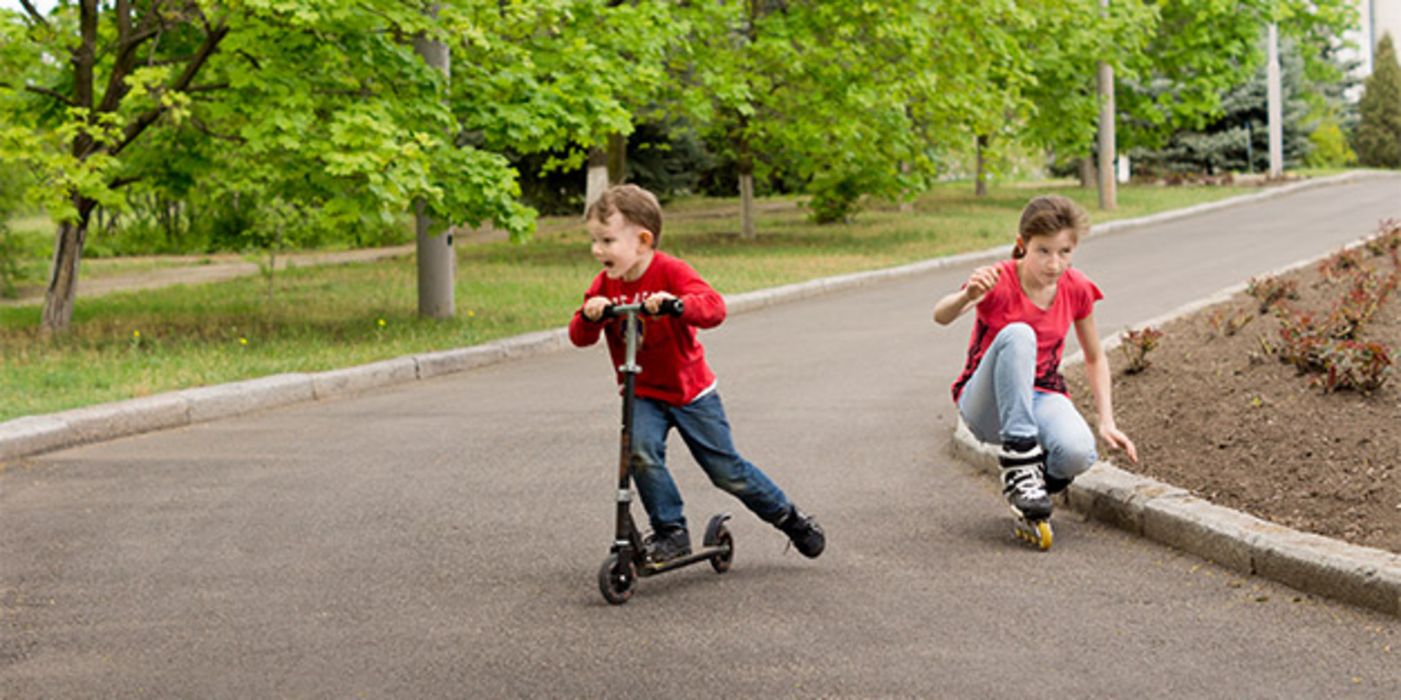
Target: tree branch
x=50, y=93
x=34, y=14
x=181, y=84
x=129, y=39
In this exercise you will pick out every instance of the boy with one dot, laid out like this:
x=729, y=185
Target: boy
x=676, y=387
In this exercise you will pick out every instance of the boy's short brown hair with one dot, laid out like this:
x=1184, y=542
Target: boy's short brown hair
x=637, y=206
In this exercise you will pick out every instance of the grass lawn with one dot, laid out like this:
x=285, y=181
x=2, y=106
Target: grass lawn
x=138, y=343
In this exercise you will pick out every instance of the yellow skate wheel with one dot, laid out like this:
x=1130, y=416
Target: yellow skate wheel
x=1037, y=533
x=1043, y=535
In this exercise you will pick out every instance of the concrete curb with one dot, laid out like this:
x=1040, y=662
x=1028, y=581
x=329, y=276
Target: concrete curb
x=1243, y=543
x=33, y=435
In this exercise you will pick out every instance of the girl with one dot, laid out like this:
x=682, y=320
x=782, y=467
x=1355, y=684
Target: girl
x=1011, y=390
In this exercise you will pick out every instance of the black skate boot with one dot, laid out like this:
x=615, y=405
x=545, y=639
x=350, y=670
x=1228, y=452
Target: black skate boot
x=661, y=547
x=803, y=531
x=1055, y=485
x=1023, y=479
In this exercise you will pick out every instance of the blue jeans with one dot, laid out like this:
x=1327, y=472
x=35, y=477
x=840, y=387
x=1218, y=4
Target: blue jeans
x=706, y=431
x=999, y=403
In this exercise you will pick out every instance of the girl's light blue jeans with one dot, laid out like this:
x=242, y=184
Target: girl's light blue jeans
x=706, y=432
x=999, y=403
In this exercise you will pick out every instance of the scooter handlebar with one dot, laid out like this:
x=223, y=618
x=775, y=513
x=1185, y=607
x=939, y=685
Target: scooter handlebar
x=668, y=307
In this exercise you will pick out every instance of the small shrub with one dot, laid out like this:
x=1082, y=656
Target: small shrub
x=1339, y=264
x=1136, y=344
x=1349, y=364
x=1387, y=240
x=1271, y=290
x=1228, y=323
x=1359, y=304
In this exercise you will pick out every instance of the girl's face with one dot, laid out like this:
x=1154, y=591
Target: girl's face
x=622, y=248
x=1047, y=257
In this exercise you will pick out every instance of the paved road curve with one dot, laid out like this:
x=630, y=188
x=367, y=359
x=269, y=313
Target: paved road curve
x=441, y=540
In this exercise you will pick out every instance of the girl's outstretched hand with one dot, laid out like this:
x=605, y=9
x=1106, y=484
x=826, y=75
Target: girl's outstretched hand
x=1117, y=440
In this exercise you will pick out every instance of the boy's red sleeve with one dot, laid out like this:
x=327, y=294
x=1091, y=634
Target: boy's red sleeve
x=583, y=332
x=705, y=308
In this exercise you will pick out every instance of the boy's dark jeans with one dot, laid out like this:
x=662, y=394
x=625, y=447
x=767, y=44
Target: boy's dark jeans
x=706, y=431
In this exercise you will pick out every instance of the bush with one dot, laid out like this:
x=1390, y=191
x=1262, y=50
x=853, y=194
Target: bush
x=1136, y=344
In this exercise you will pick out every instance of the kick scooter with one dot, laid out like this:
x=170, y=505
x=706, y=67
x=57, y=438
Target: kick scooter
x=627, y=559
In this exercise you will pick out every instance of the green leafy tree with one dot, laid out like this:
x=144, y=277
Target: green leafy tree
x=312, y=102
x=1378, y=137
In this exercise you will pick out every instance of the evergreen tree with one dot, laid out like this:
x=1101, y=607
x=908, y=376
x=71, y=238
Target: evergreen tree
x=1378, y=137
x=1239, y=139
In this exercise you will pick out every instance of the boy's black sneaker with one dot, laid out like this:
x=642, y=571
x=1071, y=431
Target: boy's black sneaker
x=1024, y=481
x=662, y=547
x=803, y=531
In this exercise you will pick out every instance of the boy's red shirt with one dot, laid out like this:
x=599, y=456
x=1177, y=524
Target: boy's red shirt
x=672, y=359
x=1007, y=303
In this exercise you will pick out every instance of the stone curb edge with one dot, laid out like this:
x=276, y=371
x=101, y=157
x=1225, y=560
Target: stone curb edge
x=31, y=435
x=1240, y=542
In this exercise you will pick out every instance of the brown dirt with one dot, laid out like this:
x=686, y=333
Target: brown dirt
x=1219, y=416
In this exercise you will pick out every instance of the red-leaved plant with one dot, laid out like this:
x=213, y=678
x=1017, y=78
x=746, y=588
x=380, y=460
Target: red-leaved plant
x=1136, y=344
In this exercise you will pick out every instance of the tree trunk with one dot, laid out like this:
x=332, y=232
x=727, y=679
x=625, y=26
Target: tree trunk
x=596, y=178
x=1087, y=172
x=1108, y=147
x=617, y=159
x=747, y=229
x=980, y=178
x=907, y=205
x=62, y=291
x=437, y=263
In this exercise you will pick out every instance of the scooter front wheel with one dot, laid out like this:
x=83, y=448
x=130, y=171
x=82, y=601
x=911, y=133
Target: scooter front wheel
x=617, y=579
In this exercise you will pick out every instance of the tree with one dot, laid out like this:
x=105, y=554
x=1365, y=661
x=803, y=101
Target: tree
x=361, y=137
x=1238, y=139
x=1378, y=138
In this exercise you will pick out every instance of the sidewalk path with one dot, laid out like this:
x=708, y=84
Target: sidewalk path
x=440, y=538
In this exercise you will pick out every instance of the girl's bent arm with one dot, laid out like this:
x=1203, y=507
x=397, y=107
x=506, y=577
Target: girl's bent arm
x=951, y=307
x=957, y=303
x=1097, y=373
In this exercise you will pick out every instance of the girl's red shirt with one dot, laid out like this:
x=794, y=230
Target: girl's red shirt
x=1007, y=303
x=672, y=359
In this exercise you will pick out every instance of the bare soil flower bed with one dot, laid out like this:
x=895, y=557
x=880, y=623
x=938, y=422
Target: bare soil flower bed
x=1218, y=412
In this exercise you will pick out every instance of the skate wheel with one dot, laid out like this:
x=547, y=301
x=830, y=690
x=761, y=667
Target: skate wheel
x=1037, y=533
x=1043, y=535
x=721, y=562
x=617, y=579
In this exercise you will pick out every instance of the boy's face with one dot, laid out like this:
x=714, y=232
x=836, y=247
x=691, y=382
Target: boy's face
x=624, y=249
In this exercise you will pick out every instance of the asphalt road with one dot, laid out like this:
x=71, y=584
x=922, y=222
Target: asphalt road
x=442, y=539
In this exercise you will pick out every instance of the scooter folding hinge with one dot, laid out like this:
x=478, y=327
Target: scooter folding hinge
x=632, y=368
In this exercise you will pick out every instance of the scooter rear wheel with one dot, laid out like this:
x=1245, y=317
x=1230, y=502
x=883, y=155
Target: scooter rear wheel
x=617, y=579
x=721, y=562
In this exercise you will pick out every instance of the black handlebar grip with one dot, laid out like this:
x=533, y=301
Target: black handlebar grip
x=668, y=307
x=671, y=307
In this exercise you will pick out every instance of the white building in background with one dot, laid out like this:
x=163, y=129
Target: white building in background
x=1376, y=17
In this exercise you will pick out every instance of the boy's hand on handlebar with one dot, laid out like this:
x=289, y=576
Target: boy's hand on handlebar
x=981, y=281
x=594, y=308
x=654, y=302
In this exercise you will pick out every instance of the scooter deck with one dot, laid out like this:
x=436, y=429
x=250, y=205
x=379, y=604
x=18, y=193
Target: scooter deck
x=647, y=568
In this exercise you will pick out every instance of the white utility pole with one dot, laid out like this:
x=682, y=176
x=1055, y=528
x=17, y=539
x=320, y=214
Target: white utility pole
x=1276, y=106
